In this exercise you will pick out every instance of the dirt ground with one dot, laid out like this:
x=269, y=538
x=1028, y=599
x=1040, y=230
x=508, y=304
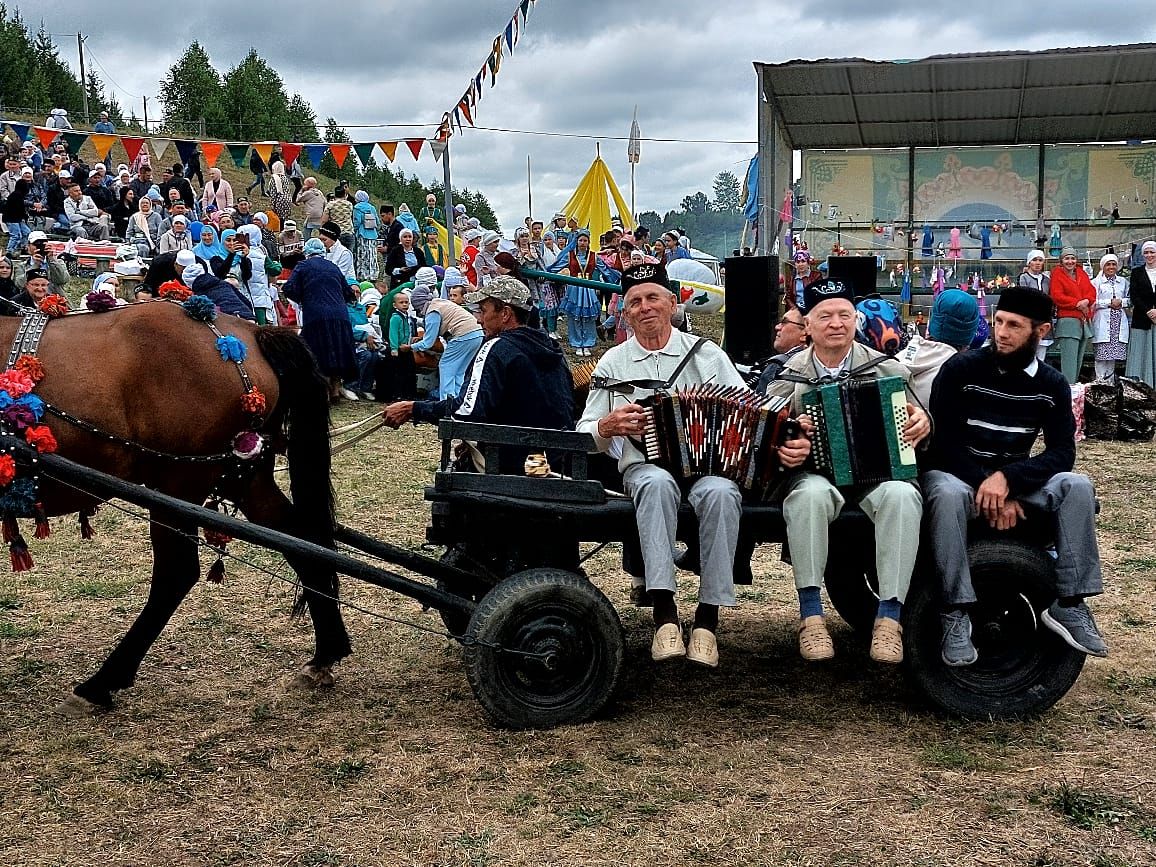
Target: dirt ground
x=210, y=759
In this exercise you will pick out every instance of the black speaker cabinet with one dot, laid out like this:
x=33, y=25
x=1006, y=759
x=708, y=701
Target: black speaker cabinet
x=752, y=307
x=858, y=271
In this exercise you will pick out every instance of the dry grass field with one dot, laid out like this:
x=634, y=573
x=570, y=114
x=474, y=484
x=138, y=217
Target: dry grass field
x=212, y=760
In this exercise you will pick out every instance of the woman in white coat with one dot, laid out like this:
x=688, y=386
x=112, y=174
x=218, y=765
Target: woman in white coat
x=1110, y=318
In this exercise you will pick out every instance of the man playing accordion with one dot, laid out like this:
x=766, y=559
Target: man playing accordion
x=811, y=501
x=656, y=355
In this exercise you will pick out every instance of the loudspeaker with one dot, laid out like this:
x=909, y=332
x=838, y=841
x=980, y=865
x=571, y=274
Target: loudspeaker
x=856, y=271
x=752, y=307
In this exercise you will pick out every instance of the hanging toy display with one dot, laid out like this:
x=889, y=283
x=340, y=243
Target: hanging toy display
x=1055, y=242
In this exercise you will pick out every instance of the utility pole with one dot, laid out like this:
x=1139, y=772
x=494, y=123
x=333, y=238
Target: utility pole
x=529, y=190
x=83, y=76
x=449, y=201
x=146, y=114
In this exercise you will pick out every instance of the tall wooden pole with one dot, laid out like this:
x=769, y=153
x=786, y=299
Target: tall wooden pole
x=83, y=76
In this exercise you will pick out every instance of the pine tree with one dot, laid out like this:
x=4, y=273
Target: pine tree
x=302, y=121
x=336, y=134
x=257, y=102
x=727, y=193
x=192, y=92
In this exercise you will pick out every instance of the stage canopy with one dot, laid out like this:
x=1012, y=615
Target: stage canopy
x=1097, y=94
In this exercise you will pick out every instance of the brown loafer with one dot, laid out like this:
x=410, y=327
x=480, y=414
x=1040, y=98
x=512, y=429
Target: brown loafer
x=887, y=641
x=703, y=648
x=667, y=643
x=815, y=642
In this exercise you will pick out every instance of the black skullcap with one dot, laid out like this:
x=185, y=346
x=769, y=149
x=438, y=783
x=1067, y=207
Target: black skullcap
x=1024, y=301
x=330, y=230
x=644, y=273
x=826, y=290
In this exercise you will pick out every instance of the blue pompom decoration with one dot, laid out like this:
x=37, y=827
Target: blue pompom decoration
x=201, y=308
x=19, y=500
x=33, y=403
x=5, y=400
x=231, y=348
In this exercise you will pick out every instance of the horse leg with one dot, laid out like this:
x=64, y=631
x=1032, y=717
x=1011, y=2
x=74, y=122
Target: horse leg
x=264, y=503
x=175, y=571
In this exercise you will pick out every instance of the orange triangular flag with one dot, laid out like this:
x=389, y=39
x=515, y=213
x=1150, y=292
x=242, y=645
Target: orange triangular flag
x=340, y=152
x=264, y=150
x=415, y=146
x=131, y=145
x=389, y=148
x=45, y=135
x=103, y=144
x=212, y=150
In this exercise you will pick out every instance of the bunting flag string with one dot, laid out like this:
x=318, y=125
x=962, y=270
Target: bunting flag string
x=467, y=104
x=313, y=152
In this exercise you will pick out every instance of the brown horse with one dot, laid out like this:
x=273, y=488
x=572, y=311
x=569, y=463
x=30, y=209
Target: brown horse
x=151, y=375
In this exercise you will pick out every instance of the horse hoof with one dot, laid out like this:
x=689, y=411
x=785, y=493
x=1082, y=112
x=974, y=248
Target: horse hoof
x=75, y=707
x=313, y=676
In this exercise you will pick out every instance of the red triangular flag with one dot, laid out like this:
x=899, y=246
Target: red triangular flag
x=132, y=146
x=340, y=152
x=415, y=146
x=464, y=105
x=212, y=150
x=45, y=135
x=290, y=152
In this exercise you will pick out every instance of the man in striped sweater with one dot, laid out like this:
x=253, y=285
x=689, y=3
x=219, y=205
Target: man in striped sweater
x=990, y=405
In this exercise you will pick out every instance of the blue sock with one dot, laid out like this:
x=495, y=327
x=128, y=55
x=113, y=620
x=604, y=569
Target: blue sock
x=889, y=608
x=810, y=603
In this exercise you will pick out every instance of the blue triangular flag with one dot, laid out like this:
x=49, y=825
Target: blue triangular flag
x=21, y=130
x=315, y=153
x=185, y=149
x=510, y=35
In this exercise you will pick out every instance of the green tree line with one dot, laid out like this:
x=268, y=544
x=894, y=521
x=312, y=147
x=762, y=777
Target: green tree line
x=714, y=225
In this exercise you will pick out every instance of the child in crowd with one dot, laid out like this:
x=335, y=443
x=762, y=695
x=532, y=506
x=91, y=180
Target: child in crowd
x=404, y=385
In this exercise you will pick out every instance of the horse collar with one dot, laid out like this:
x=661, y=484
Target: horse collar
x=27, y=339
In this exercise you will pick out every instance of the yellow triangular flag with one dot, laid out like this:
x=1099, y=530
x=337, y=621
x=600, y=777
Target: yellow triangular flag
x=103, y=144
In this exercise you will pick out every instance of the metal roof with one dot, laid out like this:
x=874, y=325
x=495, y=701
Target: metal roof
x=1097, y=94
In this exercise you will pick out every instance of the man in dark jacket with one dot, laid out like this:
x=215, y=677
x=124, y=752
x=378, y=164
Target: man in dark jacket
x=989, y=406
x=519, y=376
x=174, y=179
x=258, y=168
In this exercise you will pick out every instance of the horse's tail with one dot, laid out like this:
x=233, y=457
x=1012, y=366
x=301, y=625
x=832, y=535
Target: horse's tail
x=304, y=408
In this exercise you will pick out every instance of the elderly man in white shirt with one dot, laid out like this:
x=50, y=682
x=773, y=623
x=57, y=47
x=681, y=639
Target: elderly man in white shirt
x=613, y=416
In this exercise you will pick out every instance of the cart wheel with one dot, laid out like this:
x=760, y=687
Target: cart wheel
x=456, y=623
x=852, y=585
x=1023, y=668
x=560, y=650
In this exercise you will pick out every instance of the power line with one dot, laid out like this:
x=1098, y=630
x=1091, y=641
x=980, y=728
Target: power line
x=110, y=78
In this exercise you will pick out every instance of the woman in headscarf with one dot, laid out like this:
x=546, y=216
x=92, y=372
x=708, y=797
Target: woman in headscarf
x=364, y=237
x=280, y=192
x=15, y=213
x=457, y=326
x=406, y=218
x=484, y=263
x=581, y=303
x=1110, y=318
x=233, y=266
x=108, y=282
x=404, y=260
x=8, y=287
x=218, y=193
x=1142, y=337
x=435, y=253
x=144, y=228
x=1074, y=295
x=527, y=256
x=210, y=245
x=322, y=292
x=1036, y=278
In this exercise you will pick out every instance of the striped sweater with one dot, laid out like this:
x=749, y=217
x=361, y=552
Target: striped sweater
x=987, y=419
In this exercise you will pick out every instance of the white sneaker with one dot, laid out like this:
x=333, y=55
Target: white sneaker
x=554, y=335
x=347, y=394
x=368, y=395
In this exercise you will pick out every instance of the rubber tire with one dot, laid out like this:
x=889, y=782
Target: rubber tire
x=542, y=610
x=1015, y=678
x=852, y=585
x=455, y=622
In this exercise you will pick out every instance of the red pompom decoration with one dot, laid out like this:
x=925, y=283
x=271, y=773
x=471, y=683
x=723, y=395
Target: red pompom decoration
x=41, y=438
x=54, y=306
x=174, y=290
x=253, y=402
x=16, y=382
x=30, y=366
x=7, y=469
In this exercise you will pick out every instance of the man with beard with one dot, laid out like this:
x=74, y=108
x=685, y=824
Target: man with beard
x=990, y=406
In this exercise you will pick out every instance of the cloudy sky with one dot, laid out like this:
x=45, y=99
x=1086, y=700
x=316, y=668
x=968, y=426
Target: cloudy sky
x=580, y=69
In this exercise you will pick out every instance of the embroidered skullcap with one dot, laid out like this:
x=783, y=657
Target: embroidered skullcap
x=644, y=273
x=826, y=290
x=330, y=230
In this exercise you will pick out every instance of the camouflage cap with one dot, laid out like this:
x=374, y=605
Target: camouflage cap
x=506, y=289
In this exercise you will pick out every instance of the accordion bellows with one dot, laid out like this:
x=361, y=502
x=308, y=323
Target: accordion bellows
x=716, y=430
x=858, y=437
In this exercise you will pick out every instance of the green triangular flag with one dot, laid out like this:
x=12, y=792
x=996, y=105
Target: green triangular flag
x=75, y=141
x=364, y=151
x=239, y=152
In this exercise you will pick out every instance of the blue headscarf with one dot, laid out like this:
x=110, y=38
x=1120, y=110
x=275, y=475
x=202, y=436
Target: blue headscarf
x=214, y=247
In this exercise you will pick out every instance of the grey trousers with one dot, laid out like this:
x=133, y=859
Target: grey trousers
x=718, y=505
x=811, y=503
x=1068, y=497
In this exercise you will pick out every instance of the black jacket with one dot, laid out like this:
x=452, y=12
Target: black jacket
x=396, y=259
x=256, y=164
x=518, y=378
x=1143, y=298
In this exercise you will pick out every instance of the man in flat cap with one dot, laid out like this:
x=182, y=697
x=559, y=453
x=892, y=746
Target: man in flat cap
x=990, y=405
x=613, y=416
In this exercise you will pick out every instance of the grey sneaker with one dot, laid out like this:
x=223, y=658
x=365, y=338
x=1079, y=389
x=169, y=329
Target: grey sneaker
x=956, y=649
x=1076, y=626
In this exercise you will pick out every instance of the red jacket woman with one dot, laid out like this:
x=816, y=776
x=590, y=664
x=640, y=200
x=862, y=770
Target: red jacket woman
x=1074, y=296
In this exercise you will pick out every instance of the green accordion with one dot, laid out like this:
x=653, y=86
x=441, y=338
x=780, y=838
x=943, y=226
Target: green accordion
x=858, y=438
